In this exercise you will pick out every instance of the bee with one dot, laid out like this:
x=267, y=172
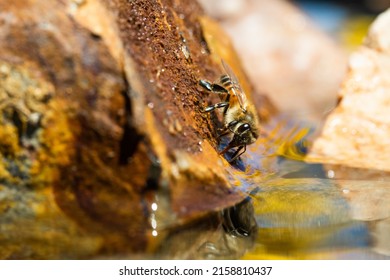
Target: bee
x=239, y=114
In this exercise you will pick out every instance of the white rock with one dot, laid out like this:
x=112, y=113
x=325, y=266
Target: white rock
x=357, y=132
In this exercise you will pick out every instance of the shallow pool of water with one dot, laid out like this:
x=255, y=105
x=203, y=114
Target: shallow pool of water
x=294, y=210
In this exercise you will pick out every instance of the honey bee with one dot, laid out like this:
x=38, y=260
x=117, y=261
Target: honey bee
x=240, y=116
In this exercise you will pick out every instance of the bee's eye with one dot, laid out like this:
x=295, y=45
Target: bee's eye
x=243, y=128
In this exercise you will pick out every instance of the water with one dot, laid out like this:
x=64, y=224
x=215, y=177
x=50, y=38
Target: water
x=299, y=215
x=294, y=210
x=302, y=215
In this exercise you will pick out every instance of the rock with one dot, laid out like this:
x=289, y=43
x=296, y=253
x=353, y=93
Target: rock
x=104, y=147
x=284, y=54
x=357, y=131
x=63, y=112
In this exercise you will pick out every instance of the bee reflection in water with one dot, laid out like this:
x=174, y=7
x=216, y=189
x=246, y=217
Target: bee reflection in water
x=237, y=233
x=240, y=116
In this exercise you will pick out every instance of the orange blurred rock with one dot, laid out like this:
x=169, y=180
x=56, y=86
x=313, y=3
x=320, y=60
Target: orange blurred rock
x=102, y=133
x=63, y=110
x=357, y=132
x=285, y=55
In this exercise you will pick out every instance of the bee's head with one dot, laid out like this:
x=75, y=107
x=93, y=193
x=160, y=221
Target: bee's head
x=244, y=135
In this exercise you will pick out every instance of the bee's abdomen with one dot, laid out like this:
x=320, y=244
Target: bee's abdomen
x=226, y=82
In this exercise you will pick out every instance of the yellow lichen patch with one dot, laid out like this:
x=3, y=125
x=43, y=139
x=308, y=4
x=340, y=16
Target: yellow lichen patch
x=34, y=132
x=9, y=148
x=4, y=174
x=56, y=138
x=5, y=204
x=24, y=95
x=8, y=140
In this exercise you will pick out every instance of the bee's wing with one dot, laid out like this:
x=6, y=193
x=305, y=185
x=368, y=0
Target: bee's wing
x=235, y=85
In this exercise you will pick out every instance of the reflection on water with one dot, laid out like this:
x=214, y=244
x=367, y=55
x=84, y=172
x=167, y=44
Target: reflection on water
x=298, y=213
x=224, y=235
x=294, y=210
x=239, y=220
x=301, y=213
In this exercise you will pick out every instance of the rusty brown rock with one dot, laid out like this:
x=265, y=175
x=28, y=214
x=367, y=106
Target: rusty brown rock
x=63, y=107
x=357, y=132
x=101, y=119
x=285, y=56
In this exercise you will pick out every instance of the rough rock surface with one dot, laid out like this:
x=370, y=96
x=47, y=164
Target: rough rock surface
x=285, y=55
x=357, y=132
x=103, y=143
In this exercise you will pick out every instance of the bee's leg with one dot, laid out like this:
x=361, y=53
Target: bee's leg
x=213, y=87
x=238, y=153
x=215, y=106
x=227, y=129
x=231, y=124
x=223, y=133
x=227, y=99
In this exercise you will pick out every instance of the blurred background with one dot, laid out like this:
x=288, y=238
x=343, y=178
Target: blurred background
x=296, y=52
x=345, y=20
x=367, y=6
